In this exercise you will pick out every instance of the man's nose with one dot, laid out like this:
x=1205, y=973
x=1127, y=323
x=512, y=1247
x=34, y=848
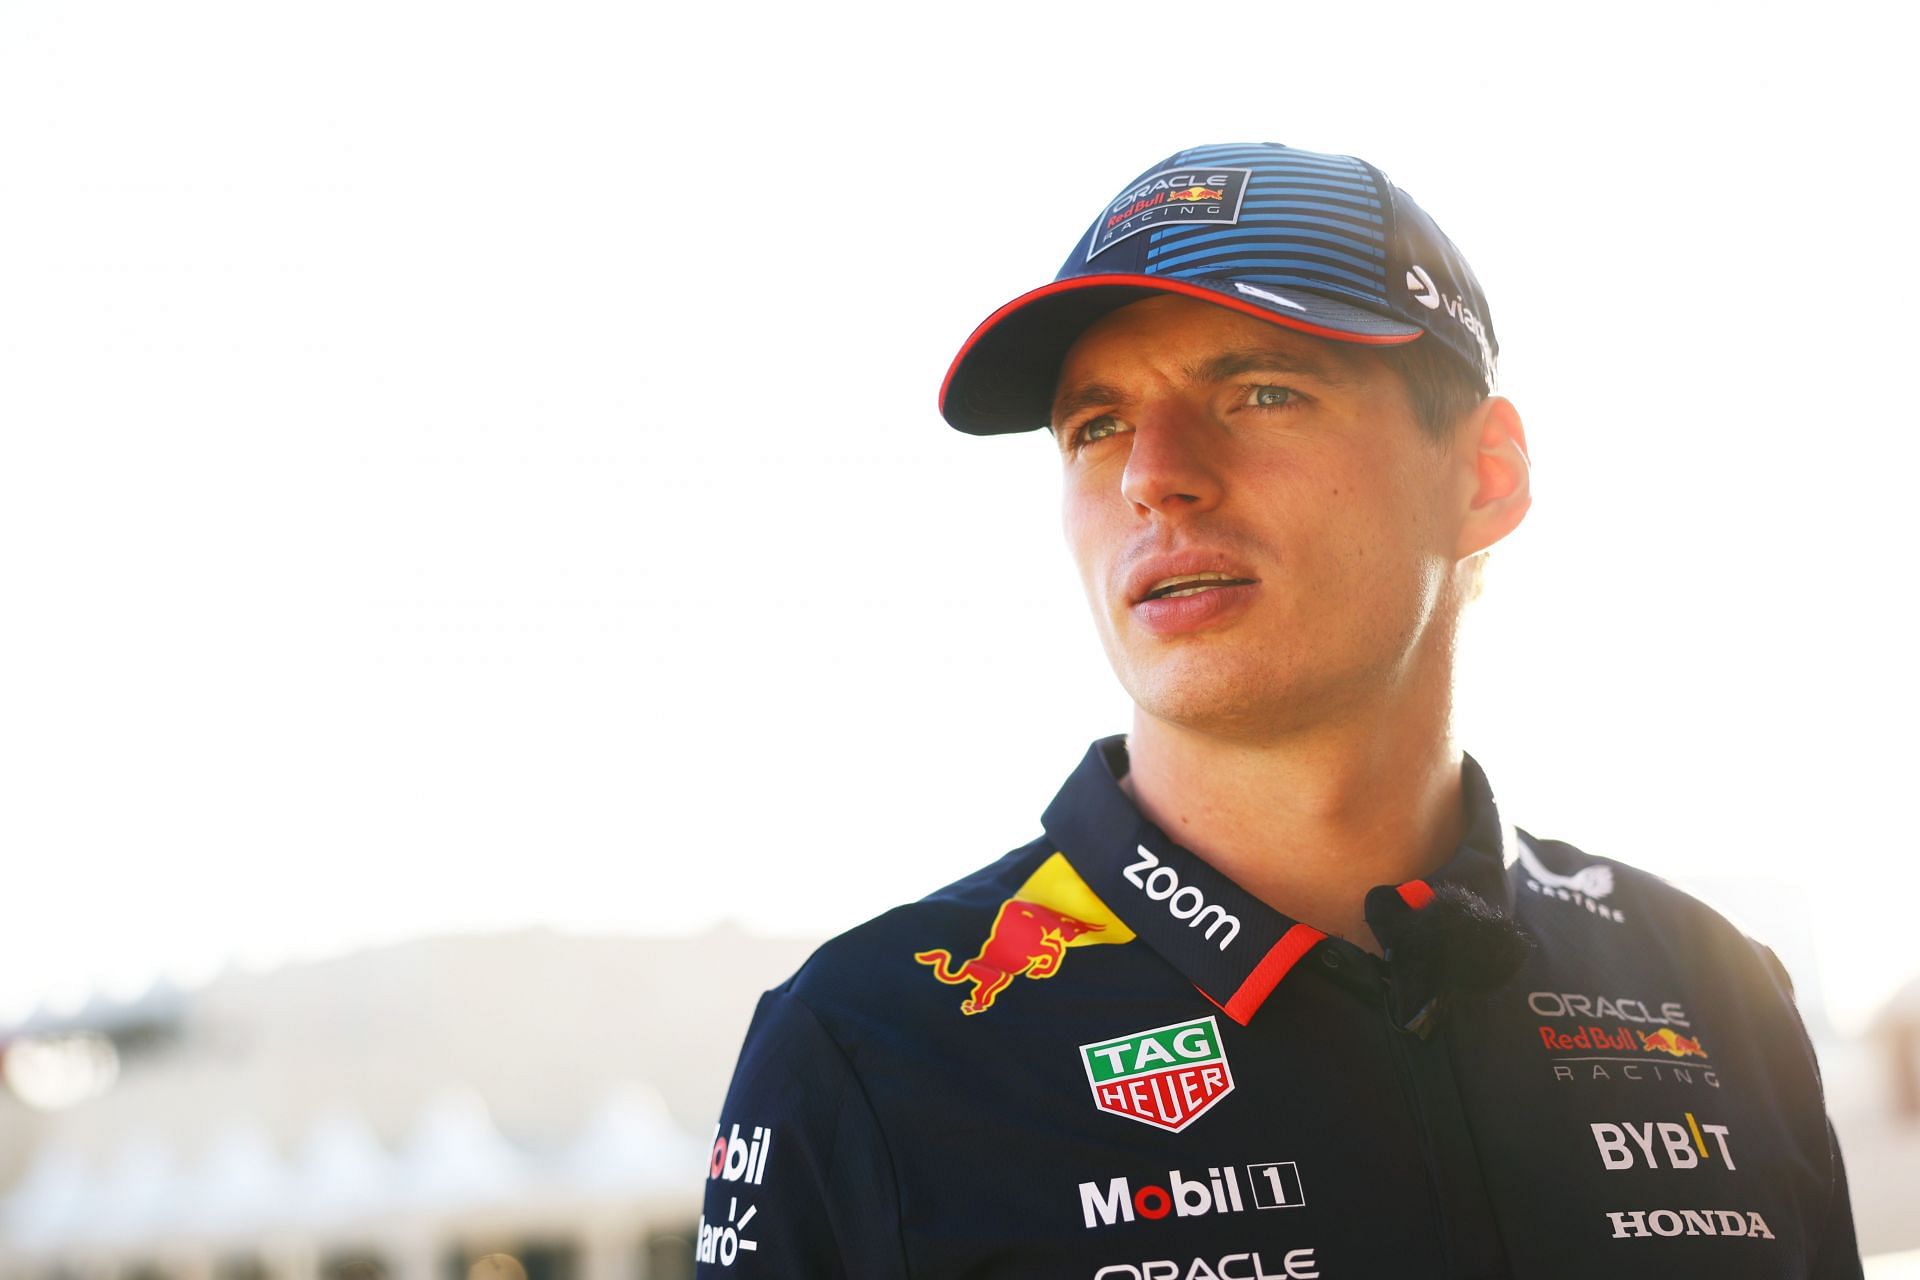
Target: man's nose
x=1173, y=464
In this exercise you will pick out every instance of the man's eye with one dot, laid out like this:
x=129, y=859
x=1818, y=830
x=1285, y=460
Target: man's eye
x=1270, y=397
x=1098, y=428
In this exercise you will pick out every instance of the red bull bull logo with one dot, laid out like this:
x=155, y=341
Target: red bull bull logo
x=1027, y=941
x=1667, y=1040
x=1195, y=194
x=1051, y=911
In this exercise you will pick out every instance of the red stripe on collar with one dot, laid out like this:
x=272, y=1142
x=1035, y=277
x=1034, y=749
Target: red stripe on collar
x=1416, y=894
x=1266, y=975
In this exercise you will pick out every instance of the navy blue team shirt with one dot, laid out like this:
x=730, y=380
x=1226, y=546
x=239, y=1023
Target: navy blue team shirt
x=1099, y=1058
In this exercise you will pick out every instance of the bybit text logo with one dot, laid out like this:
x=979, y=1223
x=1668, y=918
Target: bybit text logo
x=1678, y=1147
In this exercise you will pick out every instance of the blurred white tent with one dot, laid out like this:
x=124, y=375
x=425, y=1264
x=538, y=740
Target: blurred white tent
x=140, y=1196
x=630, y=1144
x=455, y=1157
x=240, y=1186
x=341, y=1172
x=357, y=1104
x=49, y=1205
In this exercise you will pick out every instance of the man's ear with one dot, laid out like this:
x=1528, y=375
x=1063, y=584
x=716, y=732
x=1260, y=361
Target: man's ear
x=1490, y=446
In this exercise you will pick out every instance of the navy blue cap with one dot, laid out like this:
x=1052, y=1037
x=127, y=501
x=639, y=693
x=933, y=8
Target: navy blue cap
x=1319, y=243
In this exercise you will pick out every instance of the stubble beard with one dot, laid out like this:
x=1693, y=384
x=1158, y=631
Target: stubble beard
x=1238, y=688
x=1223, y=688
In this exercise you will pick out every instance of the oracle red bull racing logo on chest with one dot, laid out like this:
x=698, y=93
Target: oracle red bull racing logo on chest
x=1173, y=197
x=1608, y=1038
x=1167, y=1077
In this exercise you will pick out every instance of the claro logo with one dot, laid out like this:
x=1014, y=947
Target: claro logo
x=1162, y=884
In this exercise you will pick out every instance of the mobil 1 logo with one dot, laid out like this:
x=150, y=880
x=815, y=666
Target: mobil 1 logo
x=740, y=1159
x=1275, y=1185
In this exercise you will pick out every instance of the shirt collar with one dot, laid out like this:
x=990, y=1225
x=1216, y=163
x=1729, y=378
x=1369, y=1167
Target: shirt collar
x=1228, y=943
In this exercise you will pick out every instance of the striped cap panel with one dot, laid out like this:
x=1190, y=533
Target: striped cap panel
x=1308, y=220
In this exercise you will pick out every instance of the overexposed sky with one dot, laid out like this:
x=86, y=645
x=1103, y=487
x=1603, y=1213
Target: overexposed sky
x=472, y=465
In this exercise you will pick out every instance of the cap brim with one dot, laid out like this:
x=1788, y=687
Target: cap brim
x=1003, y=379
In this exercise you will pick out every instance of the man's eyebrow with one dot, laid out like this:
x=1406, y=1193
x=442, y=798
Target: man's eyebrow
x=1228, y=364
x=1231, y=364
x=1084, y=396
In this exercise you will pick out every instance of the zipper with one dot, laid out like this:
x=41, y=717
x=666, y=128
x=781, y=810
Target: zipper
x=1410, y=1094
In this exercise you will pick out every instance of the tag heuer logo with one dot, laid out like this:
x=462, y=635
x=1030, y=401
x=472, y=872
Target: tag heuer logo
x=1167, y=1077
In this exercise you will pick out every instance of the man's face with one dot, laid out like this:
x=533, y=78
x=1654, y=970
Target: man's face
x=1293, y=471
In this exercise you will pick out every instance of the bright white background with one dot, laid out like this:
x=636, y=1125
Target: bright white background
x=466, y=465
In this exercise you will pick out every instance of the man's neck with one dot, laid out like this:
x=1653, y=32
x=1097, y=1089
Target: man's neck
x=1309, y=823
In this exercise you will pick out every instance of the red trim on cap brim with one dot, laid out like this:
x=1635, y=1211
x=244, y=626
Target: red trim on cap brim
x=1162, y=285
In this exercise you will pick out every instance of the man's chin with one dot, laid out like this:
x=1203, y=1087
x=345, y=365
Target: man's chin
x=1207, y=692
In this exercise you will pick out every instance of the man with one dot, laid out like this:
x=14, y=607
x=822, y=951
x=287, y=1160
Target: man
x=1276, y=993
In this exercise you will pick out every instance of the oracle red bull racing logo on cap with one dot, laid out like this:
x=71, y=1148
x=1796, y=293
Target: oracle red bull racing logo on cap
x=1167, y=1077
x=1172, y=197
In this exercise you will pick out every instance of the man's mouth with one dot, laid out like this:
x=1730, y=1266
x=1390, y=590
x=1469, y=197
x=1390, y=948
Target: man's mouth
x=1192, y=584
